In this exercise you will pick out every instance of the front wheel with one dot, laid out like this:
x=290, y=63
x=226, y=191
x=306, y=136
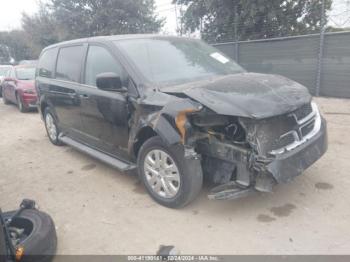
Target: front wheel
x=167, y=175
x=6, y=102
x=20, y=105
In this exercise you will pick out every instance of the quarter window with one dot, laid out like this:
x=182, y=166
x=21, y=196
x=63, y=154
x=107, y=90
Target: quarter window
x=98, y=61
x=47, y=63
x=69, y=63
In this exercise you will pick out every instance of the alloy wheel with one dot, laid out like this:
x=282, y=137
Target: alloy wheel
x=162, y=173
x=51, y=127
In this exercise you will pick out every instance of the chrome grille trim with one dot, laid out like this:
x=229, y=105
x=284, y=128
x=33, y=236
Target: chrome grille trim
x=313, y=116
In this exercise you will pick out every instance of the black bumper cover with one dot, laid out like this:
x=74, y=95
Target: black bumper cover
x=288, y=165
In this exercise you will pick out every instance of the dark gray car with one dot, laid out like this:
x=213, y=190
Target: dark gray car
x=177, y=110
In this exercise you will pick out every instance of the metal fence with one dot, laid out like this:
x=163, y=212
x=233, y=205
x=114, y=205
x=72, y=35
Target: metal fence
x=322, y=64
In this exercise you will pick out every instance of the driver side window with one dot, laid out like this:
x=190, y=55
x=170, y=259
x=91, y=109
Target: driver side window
x=99, y=60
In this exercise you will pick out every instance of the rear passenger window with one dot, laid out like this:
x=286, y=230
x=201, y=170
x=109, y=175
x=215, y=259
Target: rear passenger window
x=98, y=61
x=69, y=63
x=47, y=62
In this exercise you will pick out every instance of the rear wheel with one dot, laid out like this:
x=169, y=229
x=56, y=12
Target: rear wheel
x=51, y=127
x=167, y=175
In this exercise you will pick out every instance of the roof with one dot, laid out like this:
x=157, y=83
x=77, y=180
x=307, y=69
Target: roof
x=112, y=38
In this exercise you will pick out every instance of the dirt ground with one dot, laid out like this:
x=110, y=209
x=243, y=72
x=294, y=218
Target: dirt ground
x=100, y=211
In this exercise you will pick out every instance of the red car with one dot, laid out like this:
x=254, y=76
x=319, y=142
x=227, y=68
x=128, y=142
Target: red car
x=19, y=88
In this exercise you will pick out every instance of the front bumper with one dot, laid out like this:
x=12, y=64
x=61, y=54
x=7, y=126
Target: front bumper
x=30, y=101
x=261, y=173
x=290, y=164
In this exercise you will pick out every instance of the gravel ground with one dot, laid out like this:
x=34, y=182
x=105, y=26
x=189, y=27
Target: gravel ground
x=100, y=211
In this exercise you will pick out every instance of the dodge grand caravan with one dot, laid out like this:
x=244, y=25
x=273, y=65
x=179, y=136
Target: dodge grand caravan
x=177, y=111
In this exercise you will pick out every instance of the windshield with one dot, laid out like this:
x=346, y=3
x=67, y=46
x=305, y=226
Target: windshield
x=4, y=70
x=177, y=60
x=25, y=73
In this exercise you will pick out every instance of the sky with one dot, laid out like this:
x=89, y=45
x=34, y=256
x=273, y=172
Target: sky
x=11, y=13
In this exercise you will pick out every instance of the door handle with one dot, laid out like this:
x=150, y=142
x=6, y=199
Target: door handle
x=84, y=96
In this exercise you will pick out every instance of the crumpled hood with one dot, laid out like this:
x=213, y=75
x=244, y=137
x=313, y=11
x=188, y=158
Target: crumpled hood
x=249, y=95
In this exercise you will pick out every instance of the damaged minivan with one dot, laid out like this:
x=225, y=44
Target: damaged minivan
x=178, y=111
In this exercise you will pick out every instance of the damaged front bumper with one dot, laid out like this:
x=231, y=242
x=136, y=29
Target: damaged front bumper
x=250, y=173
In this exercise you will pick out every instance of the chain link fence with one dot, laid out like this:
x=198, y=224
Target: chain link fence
x=322, y=64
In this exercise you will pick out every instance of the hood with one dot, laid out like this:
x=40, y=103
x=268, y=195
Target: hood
x=249, y=95
x=26, y=84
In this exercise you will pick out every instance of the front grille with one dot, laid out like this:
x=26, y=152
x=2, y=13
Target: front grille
x=284, y=140
x=307, y=124
x=306, y=129
x=303, y=111
x=275, y=135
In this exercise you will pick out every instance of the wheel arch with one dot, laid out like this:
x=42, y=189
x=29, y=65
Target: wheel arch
x=43, y=106
x=142, y=136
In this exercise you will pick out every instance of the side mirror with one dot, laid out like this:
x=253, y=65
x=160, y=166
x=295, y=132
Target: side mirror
x=109, y=82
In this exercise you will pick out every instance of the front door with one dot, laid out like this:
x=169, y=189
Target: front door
x=104, y=113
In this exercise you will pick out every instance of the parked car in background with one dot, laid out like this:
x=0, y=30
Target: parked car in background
x=176, y=109
x=18, y=88
x=28, y=62
x=4, y=69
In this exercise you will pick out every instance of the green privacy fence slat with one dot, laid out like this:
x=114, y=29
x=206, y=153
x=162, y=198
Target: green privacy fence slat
x=297, y=59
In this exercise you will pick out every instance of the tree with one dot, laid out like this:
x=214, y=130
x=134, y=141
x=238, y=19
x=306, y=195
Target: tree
x=84, y=18
x=59, y=20
x=227, y=20
x=14, y=45
x=41, y=29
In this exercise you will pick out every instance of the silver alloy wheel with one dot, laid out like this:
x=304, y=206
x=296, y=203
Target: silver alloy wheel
x=51, y=127
x=162, y=173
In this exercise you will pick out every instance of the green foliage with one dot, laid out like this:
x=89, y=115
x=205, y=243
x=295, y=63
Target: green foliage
x=41, y=29
x=253, y=19
x=14, y=45
x=83, y=18
x=59, y=20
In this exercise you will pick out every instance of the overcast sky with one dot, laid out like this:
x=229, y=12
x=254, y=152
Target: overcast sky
x=11, y=12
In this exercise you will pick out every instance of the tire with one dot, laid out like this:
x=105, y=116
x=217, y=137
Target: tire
x=41, y=241
x=20, y=105
x=54, y=139
x=6, y=102
x=190, y=178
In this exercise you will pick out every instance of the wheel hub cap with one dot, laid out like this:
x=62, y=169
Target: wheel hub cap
x=162, y=173
x=51, y=127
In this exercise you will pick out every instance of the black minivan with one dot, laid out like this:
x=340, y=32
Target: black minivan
x=177, y=110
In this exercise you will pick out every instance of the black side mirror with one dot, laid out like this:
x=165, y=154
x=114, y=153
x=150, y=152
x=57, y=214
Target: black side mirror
x=109, y=82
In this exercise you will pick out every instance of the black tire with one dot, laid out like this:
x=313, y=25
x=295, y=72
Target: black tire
x=41, y=242
x=191, y=180
x=55, y=140
x=20, y=105
x=6, y=102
